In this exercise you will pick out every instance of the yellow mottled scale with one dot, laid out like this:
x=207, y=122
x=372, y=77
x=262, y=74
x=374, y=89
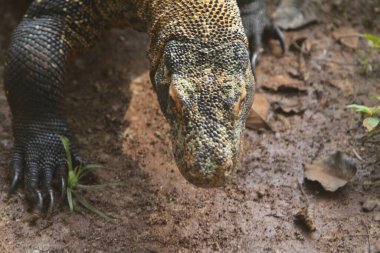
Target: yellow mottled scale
x=201, y=21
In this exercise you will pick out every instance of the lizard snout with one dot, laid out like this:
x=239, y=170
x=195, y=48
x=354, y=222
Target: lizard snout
x=211, y=174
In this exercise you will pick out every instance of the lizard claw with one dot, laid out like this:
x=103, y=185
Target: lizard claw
x=63, y=187
x=50, y=195
x=255, y=58
x=16, y=171
x=258, y=28
x=274, y=32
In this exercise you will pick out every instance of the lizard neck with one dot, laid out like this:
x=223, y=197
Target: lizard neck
x=195, y=21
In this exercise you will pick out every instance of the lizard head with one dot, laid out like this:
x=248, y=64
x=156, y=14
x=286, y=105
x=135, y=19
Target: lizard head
x=205, y=92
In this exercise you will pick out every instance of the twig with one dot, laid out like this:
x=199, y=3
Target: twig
x=307, y=213
x=303, y=192
x=357, y=155
x=336, y=62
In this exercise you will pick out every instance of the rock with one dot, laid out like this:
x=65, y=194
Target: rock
x=369, y=205
x=376, y=217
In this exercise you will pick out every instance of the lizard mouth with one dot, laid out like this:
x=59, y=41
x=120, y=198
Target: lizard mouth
x=207, y=177
x=204, y=158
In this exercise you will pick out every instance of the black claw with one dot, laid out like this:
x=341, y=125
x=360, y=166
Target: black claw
x=32, y=184
x=16, y=178
x=274, y=32
x=37, y=200
x=63, y=189
x=255, y=58
x=47, y=185
x=50, y=194
x=16, y=171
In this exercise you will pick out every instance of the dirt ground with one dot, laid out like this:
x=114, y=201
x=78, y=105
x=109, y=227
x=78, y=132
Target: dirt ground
x=116, y=120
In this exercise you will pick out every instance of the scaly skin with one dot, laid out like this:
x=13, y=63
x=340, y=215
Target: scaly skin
x=199, y=68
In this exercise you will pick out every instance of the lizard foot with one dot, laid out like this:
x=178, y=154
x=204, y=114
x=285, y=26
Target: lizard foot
x=39, y=159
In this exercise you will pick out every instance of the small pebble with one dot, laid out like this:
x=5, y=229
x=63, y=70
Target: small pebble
x=369, y=205
x=376, y=217
x=377, y=246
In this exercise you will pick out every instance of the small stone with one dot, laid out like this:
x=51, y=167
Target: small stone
x=377, y=246
x=5, y=143
x=369, y=205
x=376, y=217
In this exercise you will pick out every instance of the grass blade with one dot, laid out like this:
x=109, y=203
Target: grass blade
x=70, y=199
x=66, y=146
x=98, y=186
x=90, y=207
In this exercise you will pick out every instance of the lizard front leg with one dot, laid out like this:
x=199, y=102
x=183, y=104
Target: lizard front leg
x=34, y=78
x=258, y=26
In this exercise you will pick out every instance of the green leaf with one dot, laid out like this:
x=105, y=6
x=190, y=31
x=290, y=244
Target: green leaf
x=371, y=122
x=374, y=39
x=72, y=180
x=361, y=108
x=66, y=146
x=85, y=169
x=70, y=199
x=98, y=186
x=374, y=97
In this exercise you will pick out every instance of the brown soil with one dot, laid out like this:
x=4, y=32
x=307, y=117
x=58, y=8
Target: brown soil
x=115, y=116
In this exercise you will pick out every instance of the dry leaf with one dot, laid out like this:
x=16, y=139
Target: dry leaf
x=283, y=82
x=345, y=85
x=333, y=172
x=347, y=36
x=289, y=105
x=258, y=115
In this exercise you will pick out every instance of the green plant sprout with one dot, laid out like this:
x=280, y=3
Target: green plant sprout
x=373, y=40
x=371, y=120
x=374, y=43
x=74, y=187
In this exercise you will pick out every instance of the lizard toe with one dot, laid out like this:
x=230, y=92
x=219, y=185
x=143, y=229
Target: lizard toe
x=16, y=170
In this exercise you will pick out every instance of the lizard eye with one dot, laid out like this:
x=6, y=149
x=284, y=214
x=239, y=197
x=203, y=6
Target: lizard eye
x=174, y=99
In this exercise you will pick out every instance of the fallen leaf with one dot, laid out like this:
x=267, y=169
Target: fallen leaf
x=257, y=117
x=345, y=85
x=373, y=39
x=347, y=36
x=289, y=105
x=371, y=123
x=283, y=82
x=333, y=172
